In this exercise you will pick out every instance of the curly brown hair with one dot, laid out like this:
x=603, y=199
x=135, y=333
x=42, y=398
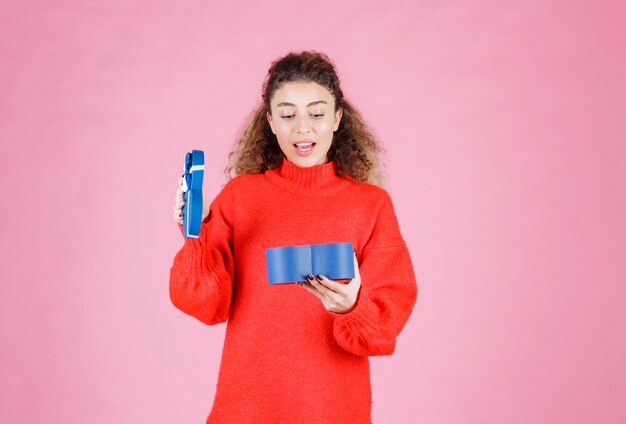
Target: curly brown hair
x=354, y=149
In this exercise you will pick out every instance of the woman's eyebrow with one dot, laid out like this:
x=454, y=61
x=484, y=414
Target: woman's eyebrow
x=310, y=104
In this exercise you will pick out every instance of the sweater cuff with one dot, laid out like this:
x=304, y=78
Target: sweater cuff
x=196, y=243
x=364, y=312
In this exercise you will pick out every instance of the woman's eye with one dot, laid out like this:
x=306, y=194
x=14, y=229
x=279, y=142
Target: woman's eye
x=315, y=115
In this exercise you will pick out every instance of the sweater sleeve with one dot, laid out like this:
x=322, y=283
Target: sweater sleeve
x=201, y=277
x=388, y=291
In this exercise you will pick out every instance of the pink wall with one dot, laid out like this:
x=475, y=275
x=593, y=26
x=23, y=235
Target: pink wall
x=504, y=125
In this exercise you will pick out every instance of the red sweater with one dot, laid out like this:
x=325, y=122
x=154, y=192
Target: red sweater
x=285, y=357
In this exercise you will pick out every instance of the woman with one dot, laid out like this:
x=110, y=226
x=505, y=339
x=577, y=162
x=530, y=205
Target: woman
x=306, y=172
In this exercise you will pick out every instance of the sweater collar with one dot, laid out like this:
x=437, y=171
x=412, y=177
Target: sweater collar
x=302, y=180
x=312, y=177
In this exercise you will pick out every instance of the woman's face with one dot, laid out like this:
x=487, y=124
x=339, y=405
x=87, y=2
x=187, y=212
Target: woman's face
x=303, y=119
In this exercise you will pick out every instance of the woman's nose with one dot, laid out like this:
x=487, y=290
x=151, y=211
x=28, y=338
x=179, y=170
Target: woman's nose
x=303, y=124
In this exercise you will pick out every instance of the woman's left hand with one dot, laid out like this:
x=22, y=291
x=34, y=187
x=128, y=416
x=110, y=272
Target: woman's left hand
x=336, y=297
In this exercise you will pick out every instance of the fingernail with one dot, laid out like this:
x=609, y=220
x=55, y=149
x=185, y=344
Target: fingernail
x=310, y=277
x=320, y=276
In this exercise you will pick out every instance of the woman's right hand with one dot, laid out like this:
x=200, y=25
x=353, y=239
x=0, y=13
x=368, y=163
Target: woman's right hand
x=179, y=202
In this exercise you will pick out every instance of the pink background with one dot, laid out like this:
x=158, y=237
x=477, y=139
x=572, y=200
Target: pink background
x=504, y=126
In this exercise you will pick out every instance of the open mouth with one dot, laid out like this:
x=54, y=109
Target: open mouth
x=304, y=146
x=304, y=149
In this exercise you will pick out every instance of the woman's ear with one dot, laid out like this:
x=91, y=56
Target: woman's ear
x=338, y=116
x=268, y=116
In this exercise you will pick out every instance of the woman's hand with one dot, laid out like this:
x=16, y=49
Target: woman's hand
x=179, y=202
x=336, y=297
